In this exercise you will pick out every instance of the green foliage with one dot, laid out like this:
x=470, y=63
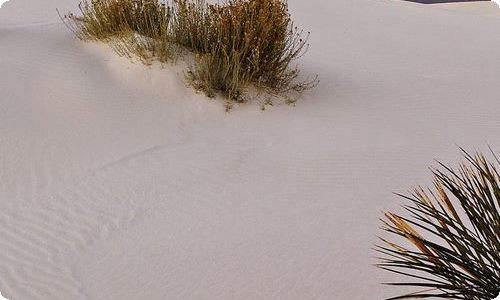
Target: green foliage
x=237, y=43
x=455, y=233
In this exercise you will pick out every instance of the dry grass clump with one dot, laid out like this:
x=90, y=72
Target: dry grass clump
x=191, y=25
x=237, y=43
x=131, y=27
x=217, y=72
x=253, y=42
x=455, y=233
x=102, y=19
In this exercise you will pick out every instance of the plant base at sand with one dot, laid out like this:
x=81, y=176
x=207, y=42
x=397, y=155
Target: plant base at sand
x=238, y=44
x=454, y=231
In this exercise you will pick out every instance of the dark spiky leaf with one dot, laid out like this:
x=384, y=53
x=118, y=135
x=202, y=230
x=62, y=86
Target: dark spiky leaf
x=453, y=233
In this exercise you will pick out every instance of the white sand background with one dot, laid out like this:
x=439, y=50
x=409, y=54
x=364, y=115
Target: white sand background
x=118, y=182
x=480, y=7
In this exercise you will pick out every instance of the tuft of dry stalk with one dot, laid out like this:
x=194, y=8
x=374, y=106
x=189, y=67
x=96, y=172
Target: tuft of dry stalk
x=258, y=40
x=191, y=27
x=132, y=27
x=455, y=233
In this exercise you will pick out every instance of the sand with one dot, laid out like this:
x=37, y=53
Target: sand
x=119, y=182
x=482, y=7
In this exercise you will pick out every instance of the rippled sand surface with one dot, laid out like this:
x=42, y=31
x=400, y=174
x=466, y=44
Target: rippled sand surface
x=119, y=182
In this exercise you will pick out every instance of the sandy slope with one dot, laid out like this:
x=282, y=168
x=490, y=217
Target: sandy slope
x=118, y=182
x=481, y=7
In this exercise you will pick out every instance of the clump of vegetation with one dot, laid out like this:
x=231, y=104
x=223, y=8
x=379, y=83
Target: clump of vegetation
x=237, y=43
x=250, y=42
x=102, y=19
x=455, y=233
x=131, y=27
x=191, y=27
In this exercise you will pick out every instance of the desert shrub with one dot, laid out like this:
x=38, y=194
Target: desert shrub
x=257, y=35
x=99, y=20
x=191, y=25
x=217, y=72
x=237, y=43
x=262, y=33
x=455, y=234
x=132, y=27
x=102, y=19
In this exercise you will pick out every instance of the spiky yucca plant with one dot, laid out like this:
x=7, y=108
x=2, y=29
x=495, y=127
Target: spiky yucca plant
x=452, y=234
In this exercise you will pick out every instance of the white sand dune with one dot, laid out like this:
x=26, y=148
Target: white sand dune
x=480, y=7
x=118, y=182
